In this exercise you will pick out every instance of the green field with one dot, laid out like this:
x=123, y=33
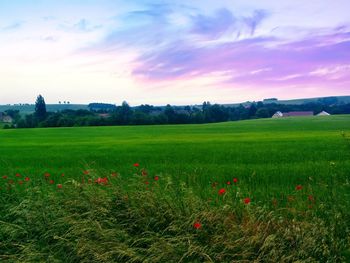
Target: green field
x=277, y=151
x=269, y=157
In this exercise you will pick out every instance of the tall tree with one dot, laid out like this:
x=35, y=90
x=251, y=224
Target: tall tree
x=40, y=108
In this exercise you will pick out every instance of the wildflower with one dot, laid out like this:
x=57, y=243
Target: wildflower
x=20, y=182
x=101, y=180
x=197, y=225
x=228, y=183
x=86, y=172
x=136, y=165
x=235, y=180
x=247, y=200
x=62, y=175
x=5, y=177
x=52, y=182
x=311, y=198
x=27, y=179
x=18, y=175
x=156, y=178
x=59, y=186
x=147, y=182
x=298, y=187
x=222, y=191
x=47, y=175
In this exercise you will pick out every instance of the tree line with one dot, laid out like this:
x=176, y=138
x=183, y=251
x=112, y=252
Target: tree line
x=107, y=115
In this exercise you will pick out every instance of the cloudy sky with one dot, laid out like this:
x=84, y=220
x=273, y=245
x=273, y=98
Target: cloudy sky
x=177, y=52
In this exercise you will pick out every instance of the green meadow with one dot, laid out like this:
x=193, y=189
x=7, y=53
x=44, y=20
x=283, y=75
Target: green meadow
x=137, y=218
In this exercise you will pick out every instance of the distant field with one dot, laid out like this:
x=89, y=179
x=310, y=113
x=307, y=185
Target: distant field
x=341, y=99
x=290, y=200
x=280, y=152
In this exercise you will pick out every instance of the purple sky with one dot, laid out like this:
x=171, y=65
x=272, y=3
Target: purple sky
x=177, y=52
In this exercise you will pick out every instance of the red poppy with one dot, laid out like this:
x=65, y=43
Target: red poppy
x=136, y=165
x=27, y=179
x=228, y=183
x=222, y=191
x=86, y=172
x=247, y=200
x=235, y=180
x=62, y=175
x=101, y=180
x=52, y=182
x=47, y=175
x=156, y=178
x=298, y=187
x=59, y=186
x=197, y=225
x=20, y=182
x=18, y=175
x=5, y=177
x=146, y=182
x=311, y=198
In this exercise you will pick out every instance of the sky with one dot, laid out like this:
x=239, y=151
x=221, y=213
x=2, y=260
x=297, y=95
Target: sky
x=177, y=52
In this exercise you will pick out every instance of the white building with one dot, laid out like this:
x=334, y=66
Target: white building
x=278, y=114
x=323, y=113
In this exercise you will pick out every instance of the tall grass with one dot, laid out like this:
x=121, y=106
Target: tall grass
x=140, y=218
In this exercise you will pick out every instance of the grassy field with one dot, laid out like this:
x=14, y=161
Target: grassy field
x=294, y=172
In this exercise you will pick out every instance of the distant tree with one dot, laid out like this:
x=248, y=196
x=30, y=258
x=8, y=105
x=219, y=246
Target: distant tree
x=260, y=104
x=263, y=113
x=252, y=110
x=170, y=113
x=328, y=100
x=40, y=108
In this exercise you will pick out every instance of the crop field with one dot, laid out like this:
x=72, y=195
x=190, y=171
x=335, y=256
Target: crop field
x=272, y=190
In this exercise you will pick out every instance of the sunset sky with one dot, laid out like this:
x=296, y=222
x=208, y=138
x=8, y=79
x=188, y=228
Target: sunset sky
x=177, y=52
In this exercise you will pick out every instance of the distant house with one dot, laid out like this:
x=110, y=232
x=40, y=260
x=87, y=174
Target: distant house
x=323, y=113
x=298, y=113
x=5, y=118
x=104, y=115
x=279, y=114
